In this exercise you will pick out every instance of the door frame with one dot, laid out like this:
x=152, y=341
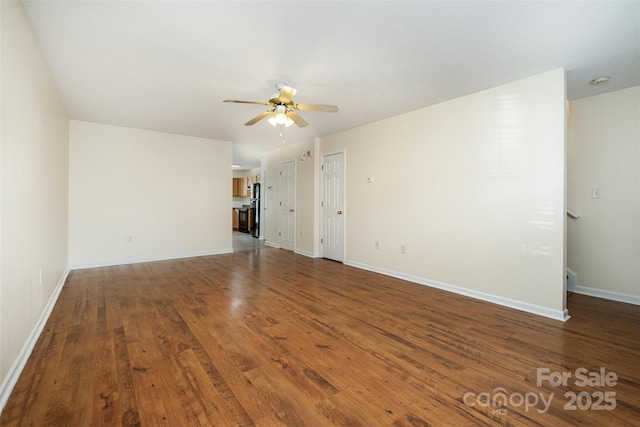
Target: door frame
x=344, y=202
x=295, y=201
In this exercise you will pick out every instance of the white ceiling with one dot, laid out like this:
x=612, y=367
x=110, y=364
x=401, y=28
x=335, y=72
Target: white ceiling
x=167, y=65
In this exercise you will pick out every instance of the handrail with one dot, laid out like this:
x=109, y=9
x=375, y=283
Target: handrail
x=572, y=214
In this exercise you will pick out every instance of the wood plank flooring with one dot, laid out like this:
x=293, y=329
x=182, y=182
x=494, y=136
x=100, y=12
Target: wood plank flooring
x=270, y=338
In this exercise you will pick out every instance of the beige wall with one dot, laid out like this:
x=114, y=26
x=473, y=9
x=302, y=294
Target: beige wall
x=604, y=152
x=171, y=193
x=473, y=187
x=33, y=194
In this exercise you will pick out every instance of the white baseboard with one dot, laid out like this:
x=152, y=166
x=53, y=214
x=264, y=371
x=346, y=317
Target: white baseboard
x=272, y=244
x=12, y=376
x=306, y=253
x=600, y=293
x=152, y=259
x=562, y=315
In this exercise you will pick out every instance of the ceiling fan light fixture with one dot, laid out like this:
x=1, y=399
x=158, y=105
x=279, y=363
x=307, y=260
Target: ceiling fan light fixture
x=280, y=117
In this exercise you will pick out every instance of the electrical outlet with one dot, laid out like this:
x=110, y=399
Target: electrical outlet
x=403, y=249
x=377, y=244
x=129, y=239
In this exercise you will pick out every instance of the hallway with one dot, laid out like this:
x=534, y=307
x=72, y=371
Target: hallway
x=244, y=242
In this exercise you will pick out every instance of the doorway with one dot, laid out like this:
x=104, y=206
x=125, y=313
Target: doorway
x=287, y=204
x=332, y=207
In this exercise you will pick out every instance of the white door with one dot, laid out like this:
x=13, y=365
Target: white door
x=287, y=204
x=332, y=207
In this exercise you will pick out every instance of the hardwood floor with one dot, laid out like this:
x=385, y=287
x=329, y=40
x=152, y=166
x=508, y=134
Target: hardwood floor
x=269, y=338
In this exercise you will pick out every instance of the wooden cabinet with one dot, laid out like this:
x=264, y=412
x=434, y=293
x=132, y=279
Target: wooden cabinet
x=236, y=219
x=239, y=187
x=236, y=185
x=242, y=185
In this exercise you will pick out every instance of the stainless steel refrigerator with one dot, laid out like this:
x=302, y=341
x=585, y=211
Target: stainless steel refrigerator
x=255, y=205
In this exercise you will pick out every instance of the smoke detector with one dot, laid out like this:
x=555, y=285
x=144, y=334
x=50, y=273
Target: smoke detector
x=599, y=81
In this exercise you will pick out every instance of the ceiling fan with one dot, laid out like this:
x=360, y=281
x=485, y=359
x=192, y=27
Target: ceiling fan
x=282, y=111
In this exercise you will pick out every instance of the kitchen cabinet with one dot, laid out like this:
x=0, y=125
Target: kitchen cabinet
x=241, y=185
x=234, y=187
x=243, y=189
x=236, y=219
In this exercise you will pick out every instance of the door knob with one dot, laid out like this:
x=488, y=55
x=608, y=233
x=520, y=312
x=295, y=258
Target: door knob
x=339, y=212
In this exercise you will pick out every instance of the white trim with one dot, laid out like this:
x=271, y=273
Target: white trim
x=306, y=253
x=151, y=259
x=12, y=376
x=610, y=295
x=272, y=244
x=562, y=315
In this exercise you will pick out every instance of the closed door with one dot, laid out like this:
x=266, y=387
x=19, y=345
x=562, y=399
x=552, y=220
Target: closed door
x=287, y=205
x=332, y=207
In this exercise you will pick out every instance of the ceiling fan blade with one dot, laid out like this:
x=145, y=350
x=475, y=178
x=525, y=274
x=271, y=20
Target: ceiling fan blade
x=235, y=101
x=245, y=102
x=297, y=119
x=316, y=107
x=259, y=117
x=286, y=94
